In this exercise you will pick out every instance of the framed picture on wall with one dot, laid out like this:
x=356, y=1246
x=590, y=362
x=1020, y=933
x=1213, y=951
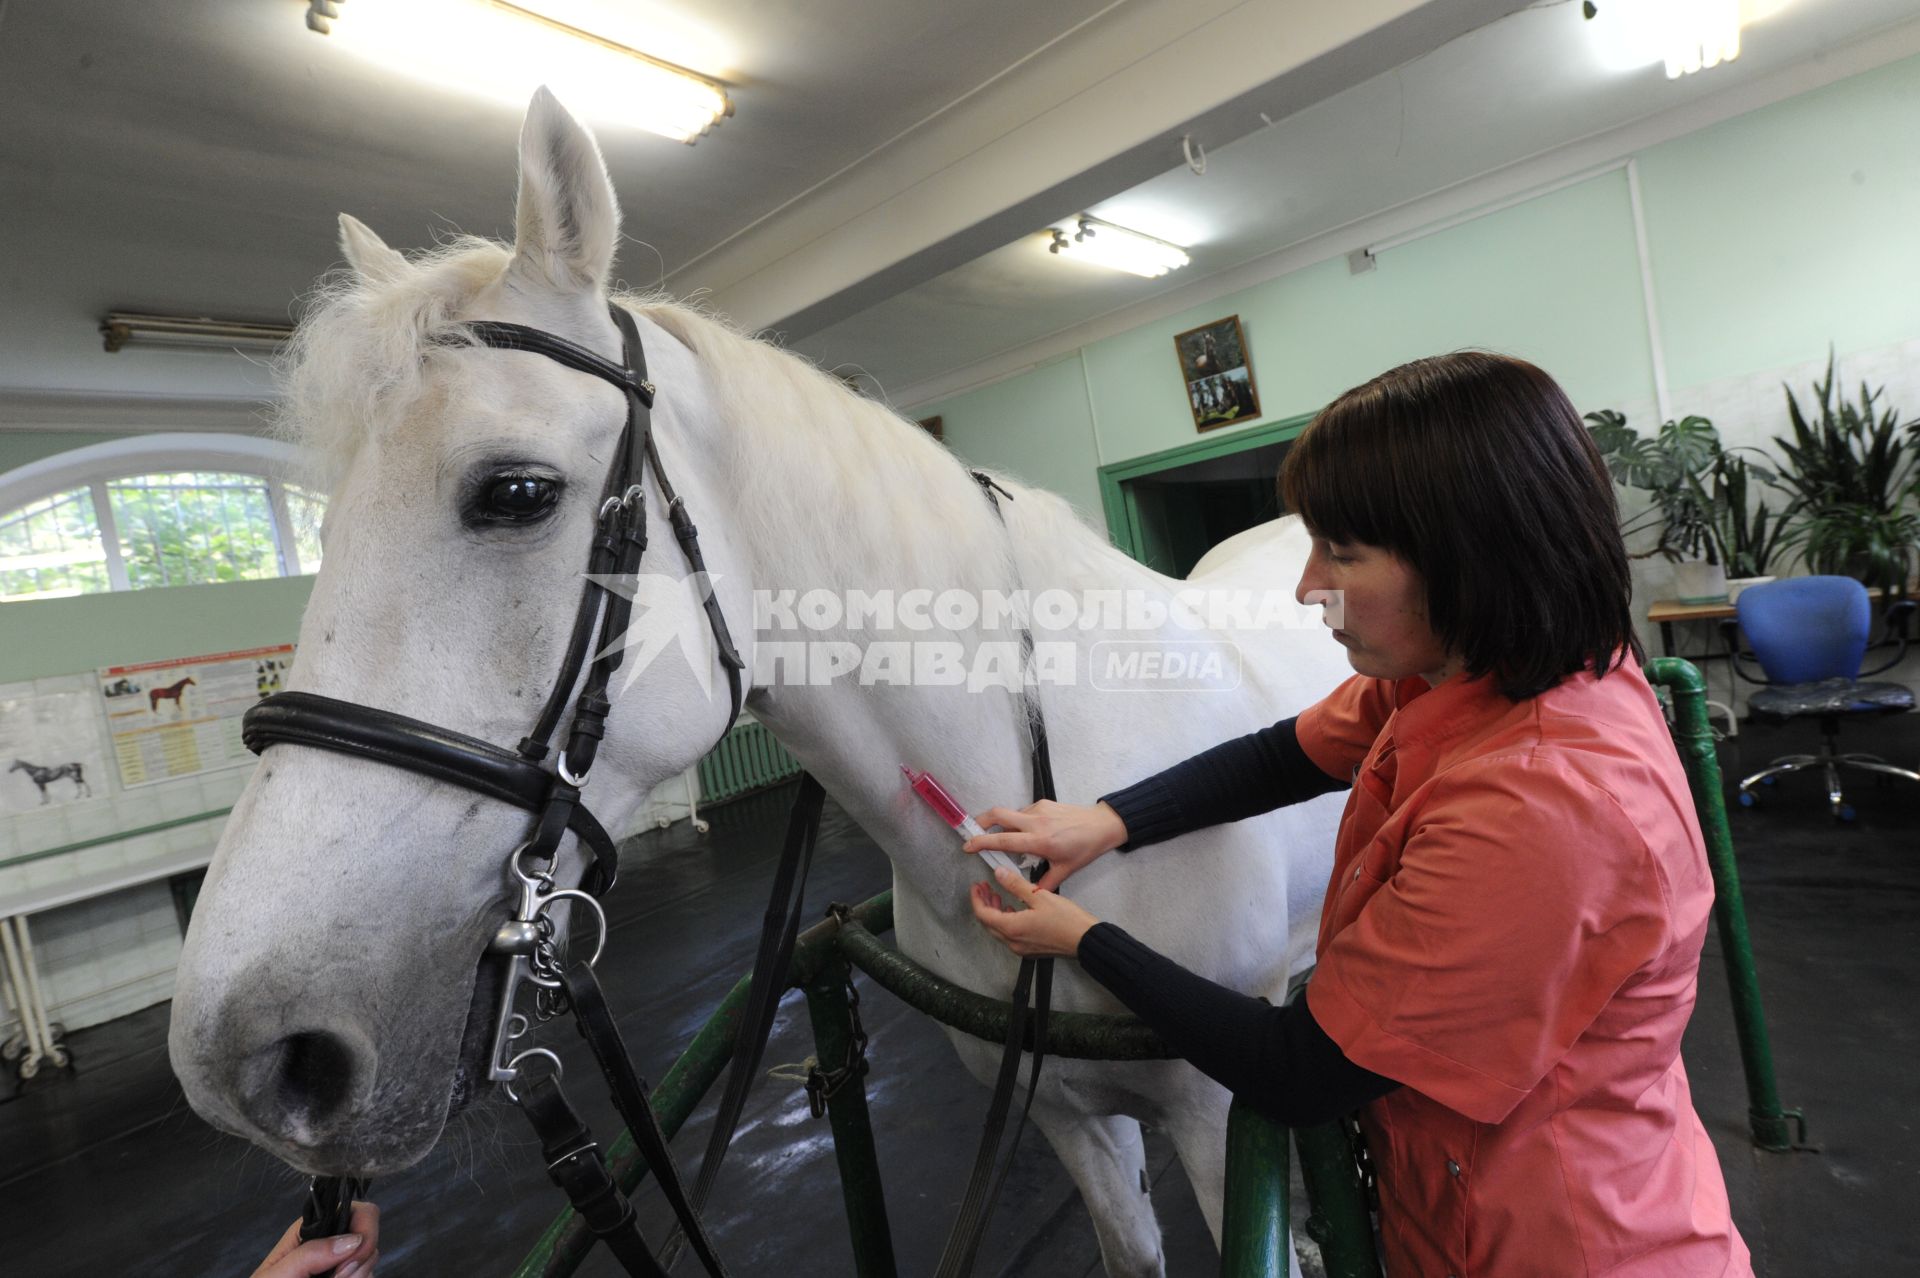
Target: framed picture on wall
x=1219, y=378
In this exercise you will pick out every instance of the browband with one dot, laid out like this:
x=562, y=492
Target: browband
x=518, y=337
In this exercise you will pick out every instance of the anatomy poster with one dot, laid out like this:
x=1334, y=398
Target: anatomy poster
x=176, y=718
x=50, y=747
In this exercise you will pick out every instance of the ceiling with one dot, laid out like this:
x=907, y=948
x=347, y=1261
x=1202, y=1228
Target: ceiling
x=1519, y=88
x=874, y=198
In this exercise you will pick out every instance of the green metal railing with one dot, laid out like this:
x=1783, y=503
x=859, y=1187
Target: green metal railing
x=1254, y=1234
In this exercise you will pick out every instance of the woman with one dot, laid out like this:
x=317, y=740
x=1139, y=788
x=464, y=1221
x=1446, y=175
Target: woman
x=1511, y=939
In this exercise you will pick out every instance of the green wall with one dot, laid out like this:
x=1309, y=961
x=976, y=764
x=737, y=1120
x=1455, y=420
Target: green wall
x=18, y=447
x=1770, y=235
x=1779, y=231
x=43, y=637
x=1038, y=425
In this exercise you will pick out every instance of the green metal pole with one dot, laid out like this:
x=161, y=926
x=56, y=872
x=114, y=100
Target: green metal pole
x=1773, y=1128
x=1337, y=1215
x=1253, y=1228
x=860, y=1184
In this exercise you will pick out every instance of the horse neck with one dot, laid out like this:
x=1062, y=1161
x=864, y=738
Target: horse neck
x=813, y=517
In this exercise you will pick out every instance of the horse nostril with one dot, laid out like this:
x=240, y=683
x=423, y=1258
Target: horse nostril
x=300, y=1082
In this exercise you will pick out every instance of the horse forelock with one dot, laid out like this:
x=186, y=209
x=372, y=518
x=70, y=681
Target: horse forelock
x=358, y=357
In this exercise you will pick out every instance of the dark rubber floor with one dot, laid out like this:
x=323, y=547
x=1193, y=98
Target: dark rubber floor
x=104, y=1171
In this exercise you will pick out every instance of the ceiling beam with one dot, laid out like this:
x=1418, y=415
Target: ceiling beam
x=1096, y=112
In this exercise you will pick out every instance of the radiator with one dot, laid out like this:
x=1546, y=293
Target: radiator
x=747, y=759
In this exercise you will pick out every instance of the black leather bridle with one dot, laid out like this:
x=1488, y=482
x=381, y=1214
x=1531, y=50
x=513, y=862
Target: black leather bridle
x=521, y=777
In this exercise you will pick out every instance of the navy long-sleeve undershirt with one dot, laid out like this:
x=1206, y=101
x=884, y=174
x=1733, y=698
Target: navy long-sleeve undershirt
x=1232, y=781
x=1276, y=1059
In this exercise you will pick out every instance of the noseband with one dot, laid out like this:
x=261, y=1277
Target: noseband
x=527, y=942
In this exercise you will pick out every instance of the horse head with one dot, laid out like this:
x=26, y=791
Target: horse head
x=334, y=1004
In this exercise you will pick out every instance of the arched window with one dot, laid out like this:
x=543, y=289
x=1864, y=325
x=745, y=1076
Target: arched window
x=155, y=510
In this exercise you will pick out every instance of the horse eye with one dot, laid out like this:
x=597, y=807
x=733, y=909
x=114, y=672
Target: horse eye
x=518, y=498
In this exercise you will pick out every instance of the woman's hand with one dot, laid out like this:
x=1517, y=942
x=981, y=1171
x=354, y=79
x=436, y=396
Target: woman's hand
x=1064, y=835
x=348, y=1255
x=1050, y=925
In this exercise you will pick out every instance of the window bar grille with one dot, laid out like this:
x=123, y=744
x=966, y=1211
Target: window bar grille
x=285, y=544
x=109, y=538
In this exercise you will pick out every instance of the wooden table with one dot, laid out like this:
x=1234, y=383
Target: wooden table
x=1667, y=611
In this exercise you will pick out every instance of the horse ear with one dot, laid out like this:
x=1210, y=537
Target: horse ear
x=568, y=220
x=367, y=253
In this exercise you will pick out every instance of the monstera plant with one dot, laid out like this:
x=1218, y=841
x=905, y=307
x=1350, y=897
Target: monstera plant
x=1702, y=499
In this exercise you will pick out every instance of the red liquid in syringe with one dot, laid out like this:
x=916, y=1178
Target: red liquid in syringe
x=953, y=814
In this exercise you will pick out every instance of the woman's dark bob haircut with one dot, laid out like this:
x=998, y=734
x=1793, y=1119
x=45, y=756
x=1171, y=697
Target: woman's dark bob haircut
x=1476, y=470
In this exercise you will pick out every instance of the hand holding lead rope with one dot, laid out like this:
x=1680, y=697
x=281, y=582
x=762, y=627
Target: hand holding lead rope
x=334, y=1236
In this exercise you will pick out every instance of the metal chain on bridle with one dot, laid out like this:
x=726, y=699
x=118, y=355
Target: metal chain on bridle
x=528, y=942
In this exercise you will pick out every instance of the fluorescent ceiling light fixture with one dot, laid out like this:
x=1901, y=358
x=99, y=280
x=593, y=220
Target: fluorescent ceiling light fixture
x=1684, y=35
x=1105, y=244
x=502, y=51
x=189, y=332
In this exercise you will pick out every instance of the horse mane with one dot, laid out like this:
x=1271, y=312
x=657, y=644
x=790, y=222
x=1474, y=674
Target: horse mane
x=871, y=476
x=358, y=360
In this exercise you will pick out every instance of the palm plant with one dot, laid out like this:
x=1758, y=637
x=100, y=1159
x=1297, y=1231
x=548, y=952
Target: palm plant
x=1751, y=535
x=1855, y=471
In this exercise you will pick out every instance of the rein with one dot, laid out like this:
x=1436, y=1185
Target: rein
x=526, y=942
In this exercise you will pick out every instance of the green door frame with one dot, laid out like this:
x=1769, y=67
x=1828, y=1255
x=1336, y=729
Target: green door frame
x=1123, y=515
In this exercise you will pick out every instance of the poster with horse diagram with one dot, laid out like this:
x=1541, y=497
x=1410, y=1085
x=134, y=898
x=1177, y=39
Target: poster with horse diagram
x=50, y=747
x=181, y=717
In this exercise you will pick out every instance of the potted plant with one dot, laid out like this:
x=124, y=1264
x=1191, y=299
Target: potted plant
x=1685, y=474
x=1854, y=470
x=1751, y=534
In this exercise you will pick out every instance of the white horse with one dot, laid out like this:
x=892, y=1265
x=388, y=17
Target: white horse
x=326, y=1000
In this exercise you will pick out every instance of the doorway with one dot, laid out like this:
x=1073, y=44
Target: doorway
x=1168, y=509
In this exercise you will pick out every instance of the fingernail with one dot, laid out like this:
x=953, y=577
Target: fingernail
x=345, y=1243
x=348, y=1270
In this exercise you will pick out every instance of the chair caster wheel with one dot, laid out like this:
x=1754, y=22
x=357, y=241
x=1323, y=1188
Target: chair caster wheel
x=701, y=827
x=1747, y=799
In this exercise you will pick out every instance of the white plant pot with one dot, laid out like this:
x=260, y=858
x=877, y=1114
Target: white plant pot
x=1698, y=582
x=1737, y=584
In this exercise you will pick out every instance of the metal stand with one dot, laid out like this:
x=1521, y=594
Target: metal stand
x=39, y=1038
x=1257, y=1158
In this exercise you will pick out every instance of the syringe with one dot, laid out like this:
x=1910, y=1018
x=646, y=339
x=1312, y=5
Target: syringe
x=954, y=815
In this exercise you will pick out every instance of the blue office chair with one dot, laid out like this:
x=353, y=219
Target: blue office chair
x=1809, y=635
